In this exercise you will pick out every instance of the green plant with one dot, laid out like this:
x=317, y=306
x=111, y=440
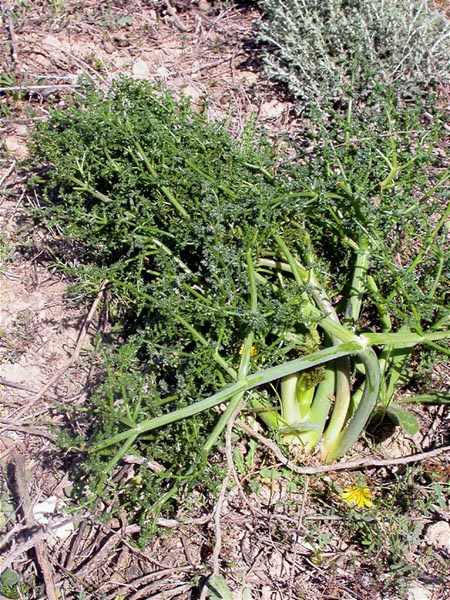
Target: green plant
x=57, y=6
x=392, y=531
x=334, y=50
x=239, y=279
x=217, y=589
x=5, y=252
x=10, y=584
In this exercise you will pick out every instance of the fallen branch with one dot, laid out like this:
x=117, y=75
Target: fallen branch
x=12, y=36
x=55, y=87
x=30, y=543
x=174, y=18
x=216, y=63
x=28, y=430
x=218, y=527
x=156, y=579
x=21, y=493
x=8, y=173
x=13, y=384
x=362, y=463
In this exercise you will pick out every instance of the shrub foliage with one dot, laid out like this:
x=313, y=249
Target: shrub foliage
x=329, y=50
x=169, y=208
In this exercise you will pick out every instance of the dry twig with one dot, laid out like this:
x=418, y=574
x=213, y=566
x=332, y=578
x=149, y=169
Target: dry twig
x=47, y=89
x=12, y=36
x=165, y=595
x=301, y=515
x=7, y=174
x=14, y=385
x=23, y=499
x=362, y=463
x=30, y=543
x=148, y=583
x=218, y=528
x=75, y=546
x=174, y=17
x=28, y=430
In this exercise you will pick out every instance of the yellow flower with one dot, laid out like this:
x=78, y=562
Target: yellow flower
x=252, y=350
x=359, y=496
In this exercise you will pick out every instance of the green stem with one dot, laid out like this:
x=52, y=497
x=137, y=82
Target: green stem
x=341, y=405
x=320, y=409
x=204, y=342
x=244, y=364
x=358, y=285
x=437, y=278
x=251, y=381
x=113, y=462
x=441, y=349
x=425, y=249
x=84, y=187
x=235, y=400
x=169, y=252
x=266, y=412
x=359, y=420
x=306, y=277
x=330, y=324
x=304, y=397
x=290, y=412
x=164, y=189
x=403, y=339
x=241, y=374
x=380, y=304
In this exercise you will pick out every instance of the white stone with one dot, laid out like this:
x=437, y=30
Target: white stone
x=417, y=592
x=192, y=92
x=140, y=69
x=162, y=73
x=49, y=512
x=249, y=78
x=16, y=147
x=43, y=510
x=272, y=109
x=25, y=374
x=438, y=535
x=50, y=41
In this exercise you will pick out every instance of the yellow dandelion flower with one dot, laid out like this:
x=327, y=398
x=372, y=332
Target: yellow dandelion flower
x=359, y=496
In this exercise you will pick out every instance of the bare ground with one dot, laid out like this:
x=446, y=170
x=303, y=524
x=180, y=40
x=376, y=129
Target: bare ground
x=280, y=535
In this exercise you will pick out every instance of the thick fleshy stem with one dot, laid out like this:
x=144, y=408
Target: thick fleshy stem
x=354, y=427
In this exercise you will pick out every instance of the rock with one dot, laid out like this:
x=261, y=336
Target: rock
x=204, y=6
x=45, y=513
x=140, y=69
x=51, y=42
x=249, y=78
x=162, y=73
x=42, y=510
x=192, y=92
x=272, y=109
x=16, y=147
x=438, y=536
x=418, y=592
x=22, y=374
x=22, y=130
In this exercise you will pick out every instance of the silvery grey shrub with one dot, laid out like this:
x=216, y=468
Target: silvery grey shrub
x=331, y=49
